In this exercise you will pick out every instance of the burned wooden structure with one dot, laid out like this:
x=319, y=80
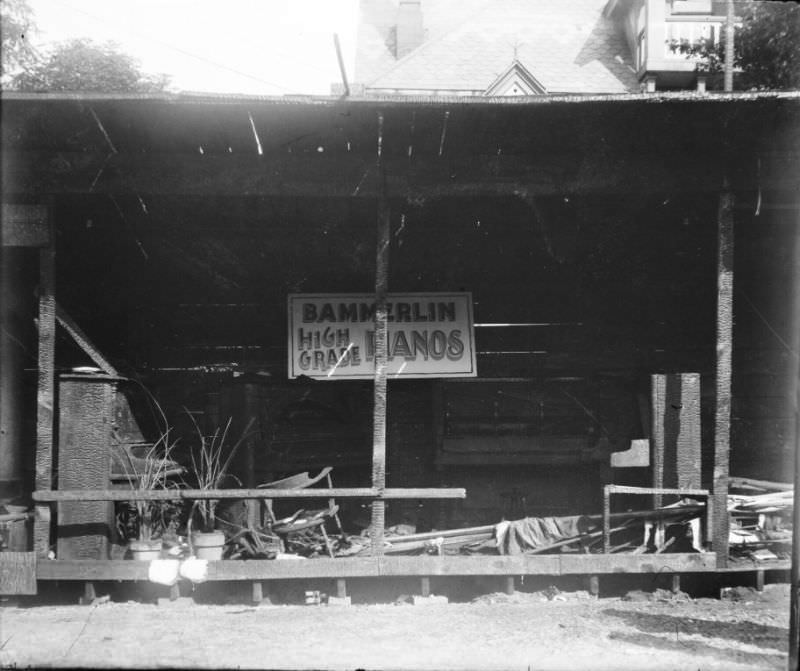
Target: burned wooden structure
x=156, y=238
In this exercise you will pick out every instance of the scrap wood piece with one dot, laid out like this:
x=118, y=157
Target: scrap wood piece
x=445, y=533
x=432, y=543
x=764, y=485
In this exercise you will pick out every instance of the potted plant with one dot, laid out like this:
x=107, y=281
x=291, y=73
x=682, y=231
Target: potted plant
x=147, y=520
x=209, y=464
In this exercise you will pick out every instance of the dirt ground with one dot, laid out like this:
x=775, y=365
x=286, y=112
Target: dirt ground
x=526, y=630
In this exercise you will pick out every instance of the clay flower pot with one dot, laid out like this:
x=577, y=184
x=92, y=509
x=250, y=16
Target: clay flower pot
x=208, y=544
x=146, y=550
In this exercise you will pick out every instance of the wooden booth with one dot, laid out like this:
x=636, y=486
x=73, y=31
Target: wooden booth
x=593, y=297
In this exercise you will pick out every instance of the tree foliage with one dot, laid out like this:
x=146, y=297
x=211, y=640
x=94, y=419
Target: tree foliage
x=766, y=47
x=83, y=65
x=16, y=27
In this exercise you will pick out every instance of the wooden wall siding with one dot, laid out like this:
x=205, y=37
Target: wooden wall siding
x=763, y=422
x=213, y=286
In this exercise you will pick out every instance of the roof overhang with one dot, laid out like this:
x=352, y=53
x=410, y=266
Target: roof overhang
x=194, y=144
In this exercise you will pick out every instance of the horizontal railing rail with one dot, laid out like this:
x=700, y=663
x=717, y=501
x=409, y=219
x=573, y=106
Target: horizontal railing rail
x=51, y=496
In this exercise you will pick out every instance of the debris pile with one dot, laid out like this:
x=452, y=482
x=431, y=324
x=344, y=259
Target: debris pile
x=761, y=525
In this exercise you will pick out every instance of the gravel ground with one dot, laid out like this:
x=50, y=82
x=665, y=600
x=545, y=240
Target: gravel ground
x=525, y=631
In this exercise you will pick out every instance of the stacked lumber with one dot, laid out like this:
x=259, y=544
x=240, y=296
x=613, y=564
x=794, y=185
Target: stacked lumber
x=759, y=517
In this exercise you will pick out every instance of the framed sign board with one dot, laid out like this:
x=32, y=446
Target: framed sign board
x=332, y=336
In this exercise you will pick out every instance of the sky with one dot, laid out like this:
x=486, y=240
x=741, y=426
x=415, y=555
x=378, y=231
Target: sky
x=266, y=47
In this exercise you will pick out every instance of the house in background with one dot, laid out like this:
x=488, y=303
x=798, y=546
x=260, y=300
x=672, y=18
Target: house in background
x=528, y=47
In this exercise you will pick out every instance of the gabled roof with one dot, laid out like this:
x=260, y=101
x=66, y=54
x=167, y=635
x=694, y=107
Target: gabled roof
x=516, y=80
x=571, y=46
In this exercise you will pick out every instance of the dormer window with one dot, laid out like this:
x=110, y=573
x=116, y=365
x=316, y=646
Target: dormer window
x=516, y=80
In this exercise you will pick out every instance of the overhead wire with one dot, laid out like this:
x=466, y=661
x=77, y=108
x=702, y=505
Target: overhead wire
x=189, y=53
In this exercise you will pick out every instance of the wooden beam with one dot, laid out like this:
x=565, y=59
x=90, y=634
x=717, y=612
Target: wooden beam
x=374, y=567
x=47, y=495
x=82, y=340
x=722, y=415
x=45, y=397
x=381, y=318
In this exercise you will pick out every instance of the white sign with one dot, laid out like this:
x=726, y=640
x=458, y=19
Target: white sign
x=332, y=336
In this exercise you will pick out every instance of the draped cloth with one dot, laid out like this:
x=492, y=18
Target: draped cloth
x=530, y=533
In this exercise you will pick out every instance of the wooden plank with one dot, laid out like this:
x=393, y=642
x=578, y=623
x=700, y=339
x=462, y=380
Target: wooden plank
x=680, y=491
x=202, y=494
x=722, y=412
x=82, y=340
x=45, y=397
x=17, y=573
x=24, y=226
x=381, y=316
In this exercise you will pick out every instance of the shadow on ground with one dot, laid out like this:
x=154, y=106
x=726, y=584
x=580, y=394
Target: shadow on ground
x=668, y=632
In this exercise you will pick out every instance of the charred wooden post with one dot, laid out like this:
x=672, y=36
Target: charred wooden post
x=85, y=528
x=45, y=397
x=676, y=432
x=722, y=421
x=379, y=410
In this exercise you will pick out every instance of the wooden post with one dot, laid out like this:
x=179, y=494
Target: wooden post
x=794, y=390
x=341, y=588
x=675, y=432
x=257, y=592
x=675, y=585
x=722, y=420
x=657, y=402
x=379, y=411
x=594, y=585
x=509, y=584
x=12, y=365
x=425, y=586
x=89, y=594
x=45, y=395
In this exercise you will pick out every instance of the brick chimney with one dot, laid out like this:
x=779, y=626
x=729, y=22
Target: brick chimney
x=410, y=33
